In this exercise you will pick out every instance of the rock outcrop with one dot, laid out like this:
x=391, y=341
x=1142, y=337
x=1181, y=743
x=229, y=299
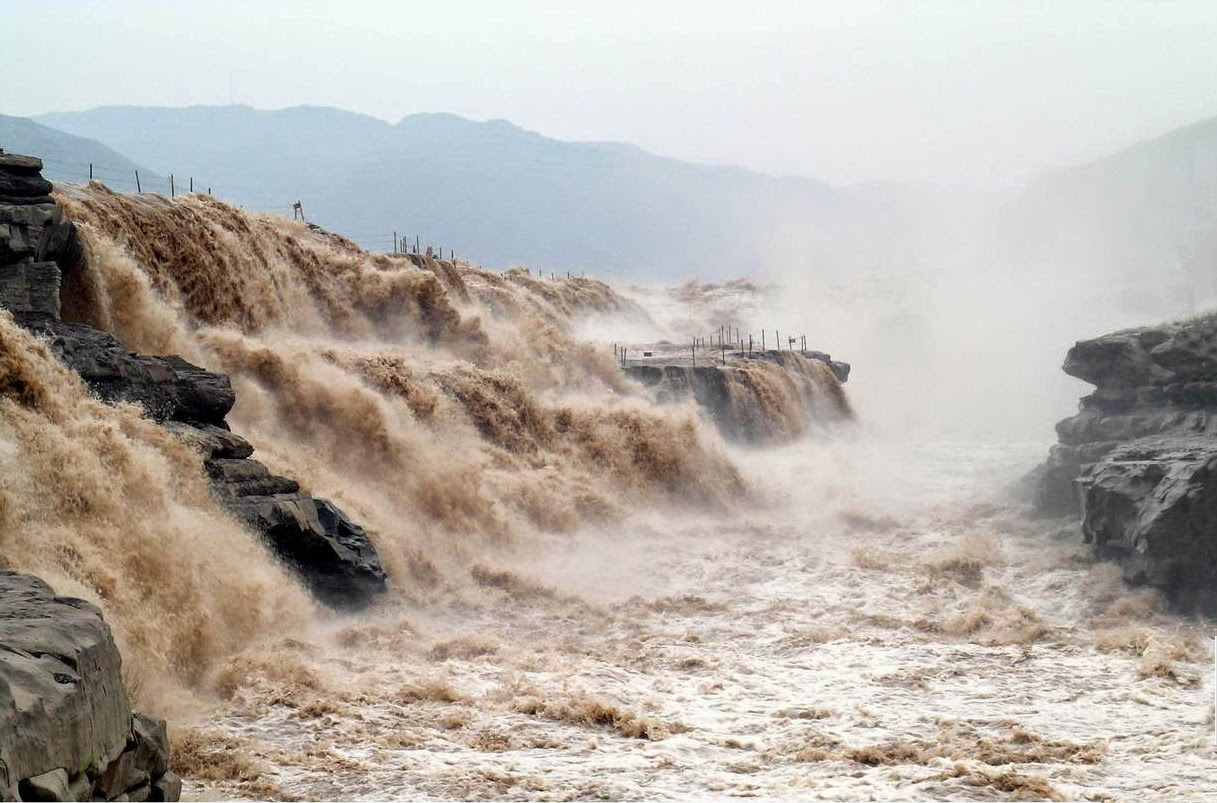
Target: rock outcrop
x=37, y=242
x=751, y=406
x=66, y=728
x=1139, y=460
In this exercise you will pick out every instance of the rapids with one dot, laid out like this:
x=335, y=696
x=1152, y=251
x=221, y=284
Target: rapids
x=593, y=595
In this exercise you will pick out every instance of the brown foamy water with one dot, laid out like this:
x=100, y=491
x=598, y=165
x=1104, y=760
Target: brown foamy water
x=845, y=644
x=592, y=596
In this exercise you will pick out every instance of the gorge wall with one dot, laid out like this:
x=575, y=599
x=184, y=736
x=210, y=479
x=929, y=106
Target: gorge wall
x=1139, y=460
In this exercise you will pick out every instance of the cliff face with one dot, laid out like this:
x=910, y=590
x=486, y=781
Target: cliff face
x=1139, y=460
x=756, y=397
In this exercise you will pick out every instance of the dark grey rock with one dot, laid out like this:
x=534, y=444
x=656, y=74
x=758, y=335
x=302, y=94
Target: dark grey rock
x=339, y=564
x=212, y=441
x=168, y=388
x=118, y=776
x=62, y=702
x=31, y=288
x=1151, y=506
x=1137, y=462
x=23, y=186
x=20, y=165
x=151, y=748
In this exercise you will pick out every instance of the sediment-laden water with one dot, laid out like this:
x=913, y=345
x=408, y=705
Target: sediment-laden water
x=593, y=596
x=845, y=644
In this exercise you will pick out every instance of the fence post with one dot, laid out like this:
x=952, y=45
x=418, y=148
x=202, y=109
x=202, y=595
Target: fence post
x=395, y=241
x=171, y=192
x=90, y=171
x=694, y=352
x=192, y=183
x=137, y=186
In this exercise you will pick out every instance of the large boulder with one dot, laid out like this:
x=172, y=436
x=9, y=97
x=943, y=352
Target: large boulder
x=1151, y=506
x=330, y=552
x=66, y=728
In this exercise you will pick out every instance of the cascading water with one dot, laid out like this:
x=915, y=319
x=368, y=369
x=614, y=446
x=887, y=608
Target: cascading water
x=593, y=596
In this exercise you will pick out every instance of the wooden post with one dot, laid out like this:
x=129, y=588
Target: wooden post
x=694, y=352
x=171, y=191
x=763, y=340
x=723, y=346
x=192, y=183
x=416, y=243
x=137, y=187
x=90, y=171
x=395, y=241
x=778, y=337
x=749, y=343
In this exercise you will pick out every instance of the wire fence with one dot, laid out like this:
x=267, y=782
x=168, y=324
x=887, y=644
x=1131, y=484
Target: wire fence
x=713, y=349
x=131, y=181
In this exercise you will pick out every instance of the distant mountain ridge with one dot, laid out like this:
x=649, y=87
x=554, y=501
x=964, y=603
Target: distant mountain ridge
x=502, y=195
x=497, y=193
x=67, y=157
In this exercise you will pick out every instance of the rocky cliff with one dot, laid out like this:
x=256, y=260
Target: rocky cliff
x=1139, y=460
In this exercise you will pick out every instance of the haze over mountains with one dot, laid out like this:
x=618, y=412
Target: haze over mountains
x=503, y=196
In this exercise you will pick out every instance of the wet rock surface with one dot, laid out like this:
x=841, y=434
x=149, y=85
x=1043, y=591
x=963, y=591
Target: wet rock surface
x=1139, y=460
x=168, y=388
x=66, y=729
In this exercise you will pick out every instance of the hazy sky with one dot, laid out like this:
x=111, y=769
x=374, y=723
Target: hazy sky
x=982, y=92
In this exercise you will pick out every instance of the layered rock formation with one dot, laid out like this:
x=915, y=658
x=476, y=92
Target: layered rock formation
x=66, y=729
x=756, y=397
x=36, y=241
x=1139, y=460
